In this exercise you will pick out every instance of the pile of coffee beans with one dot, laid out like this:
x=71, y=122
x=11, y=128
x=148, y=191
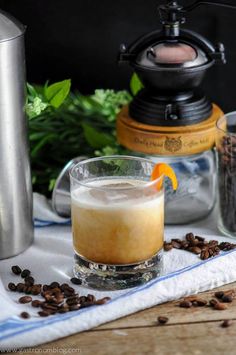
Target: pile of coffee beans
x=227, y=181
x=219, y=302
x=199, y=246
x=55, y=297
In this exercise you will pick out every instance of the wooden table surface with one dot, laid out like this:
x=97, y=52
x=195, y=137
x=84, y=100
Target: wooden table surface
x=189, y=331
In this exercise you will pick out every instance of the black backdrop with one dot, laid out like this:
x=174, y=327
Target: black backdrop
x=79, y=39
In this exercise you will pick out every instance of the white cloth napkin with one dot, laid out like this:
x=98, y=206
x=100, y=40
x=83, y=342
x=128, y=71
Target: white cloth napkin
x=50, y=258
x=44, y=214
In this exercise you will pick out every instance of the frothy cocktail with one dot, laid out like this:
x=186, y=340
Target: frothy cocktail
x=117, y=221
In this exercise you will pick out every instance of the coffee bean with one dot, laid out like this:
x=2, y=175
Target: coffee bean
x=36, y=303
x=50, y=298
x=75, y=307
x=168, y=246
x=204, y=254
x=213, y=302
x=25, y=315
x=226, y=323
x=195, y=250
x=25, y=299
x=220, y=306
x=219, y=294
x=76, y=281
x=227, y=299
x=44, y=313
x=55, y=290
x=91, y=298
x=12, y=286
x=88, y=304
x=211, y=252
x=29, y=280
x=191, y=298
x=72, y=300
x=213, y=242
x=189, y=237
x=82, y=299
x=20, y=287
x=47, y=306
x=59, y=299
x=36, y=289
x=176, y=245
x=103, y=300
x=54, y=285
x=226, y=246
x=177, y=240
x=16, y=270
x=185, y=244
x=68, y=292
x=162, y=320
x=64, y=286
x=27, y=289
x=63, y=309
x=199, y=302
x=185, y=304
x=25, y=273
x=200, y=239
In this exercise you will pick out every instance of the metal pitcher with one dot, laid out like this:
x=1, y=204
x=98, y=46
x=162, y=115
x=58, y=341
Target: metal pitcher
x=16, y=223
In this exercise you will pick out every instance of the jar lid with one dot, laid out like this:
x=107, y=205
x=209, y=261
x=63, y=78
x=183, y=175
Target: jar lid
x=162, y=140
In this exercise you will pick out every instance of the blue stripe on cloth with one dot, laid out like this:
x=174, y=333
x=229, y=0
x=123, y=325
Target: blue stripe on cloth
x=39, y=223
x=10, y=327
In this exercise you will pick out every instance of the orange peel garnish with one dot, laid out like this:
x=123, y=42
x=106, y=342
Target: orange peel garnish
x=162, y=169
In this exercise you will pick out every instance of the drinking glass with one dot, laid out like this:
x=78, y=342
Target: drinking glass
x=226, y=165
x=117, y=221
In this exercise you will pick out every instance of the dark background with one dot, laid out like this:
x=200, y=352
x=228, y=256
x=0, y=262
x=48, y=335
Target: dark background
x=80, y=40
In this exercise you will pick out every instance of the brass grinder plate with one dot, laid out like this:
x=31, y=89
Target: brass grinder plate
x=163, y=140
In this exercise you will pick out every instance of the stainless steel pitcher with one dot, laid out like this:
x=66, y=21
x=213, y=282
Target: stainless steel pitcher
x=16, y=224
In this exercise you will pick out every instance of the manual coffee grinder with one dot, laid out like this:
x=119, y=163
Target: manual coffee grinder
x=171, y=119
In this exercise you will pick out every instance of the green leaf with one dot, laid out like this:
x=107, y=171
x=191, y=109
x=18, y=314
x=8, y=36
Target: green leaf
x=95, y=138
x=31, y=91
x=57, y=92
x=36, y=136
x=41, y=143
x=52, y=183
x=135, y=84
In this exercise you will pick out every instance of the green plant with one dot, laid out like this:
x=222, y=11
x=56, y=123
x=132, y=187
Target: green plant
x=63, y=125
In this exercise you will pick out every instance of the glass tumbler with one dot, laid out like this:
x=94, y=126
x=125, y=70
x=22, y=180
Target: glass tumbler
x=226, y=168
x=117, y=222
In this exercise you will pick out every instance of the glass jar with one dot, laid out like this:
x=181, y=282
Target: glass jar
x=196, y=193
x=226, y=168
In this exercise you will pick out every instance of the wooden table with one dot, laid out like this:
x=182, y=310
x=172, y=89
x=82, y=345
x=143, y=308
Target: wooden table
x=189, y=331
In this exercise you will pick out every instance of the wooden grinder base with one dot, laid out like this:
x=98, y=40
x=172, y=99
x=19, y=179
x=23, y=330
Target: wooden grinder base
x=163, y=140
